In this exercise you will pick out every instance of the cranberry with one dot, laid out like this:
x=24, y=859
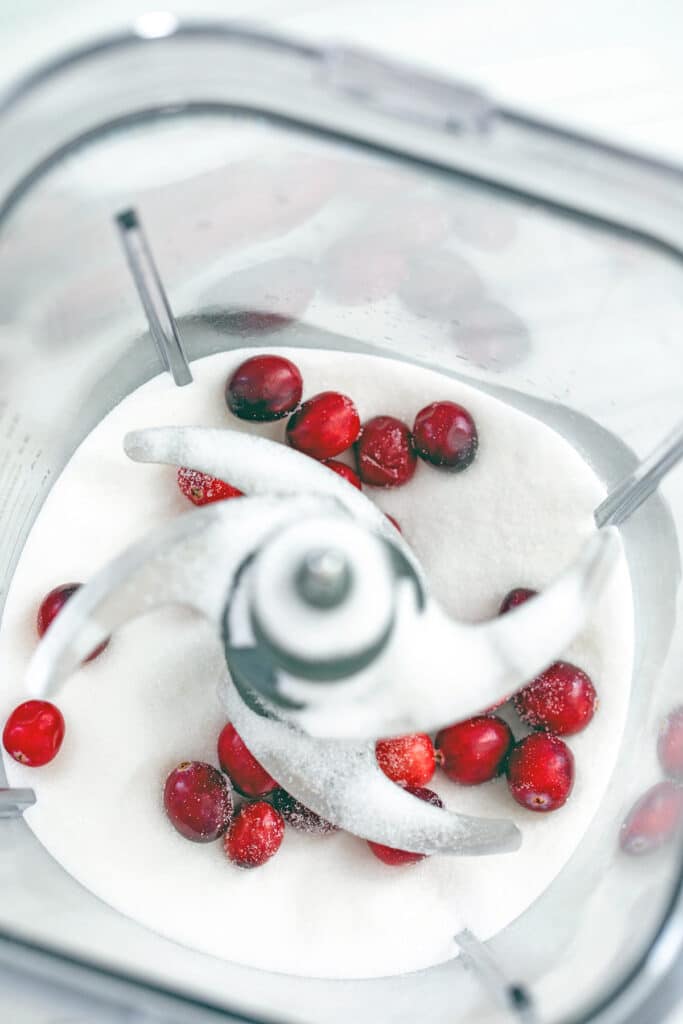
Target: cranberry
x=408, y=760
x=299, y=816
x=474, y=751
x=562, y=700
x=445, y=435
x=385, y=453
x=203, y=489
x=198, y=801
x=324, y=426
x=245, y=772
x=540, y=772
x=670, y=746
x=34, y=733
x=255, y=835
x=394, y=522
x=395, y=858
x=264, y=388
x=341, y=469
x=654, y=820
x=51, y=606
x=516, y=597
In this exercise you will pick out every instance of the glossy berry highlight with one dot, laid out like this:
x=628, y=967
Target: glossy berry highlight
x=264, y=388
x=33, y=733
x=255, y=835
x=562, y=700
x=445, y=435
x=407, y=760
x=474, y=751
x=198, y=801
x=324, y=426
x=237, y=761
x=385, y=453
x=540, y=772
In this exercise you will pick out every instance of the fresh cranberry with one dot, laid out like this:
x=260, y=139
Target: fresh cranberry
x=264, y=388
x=445, y=435
x=540, y=772
x=198, y=801
x=395, y=858
x=255, y=835
x=341, y=469
x=394, y=522
x=562, y=700
x=408, y=760
x=385, y=453
x=474, y=751
x=299, y=816
x=670, y=746
x=203, y=489
x=654, y=820
x=239, y=763
x=516, y=597
x=324, y=426
x=34, y=733
x=52, y=606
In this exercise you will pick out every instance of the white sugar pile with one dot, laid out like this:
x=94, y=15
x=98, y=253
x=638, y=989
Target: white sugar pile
x=322, y=906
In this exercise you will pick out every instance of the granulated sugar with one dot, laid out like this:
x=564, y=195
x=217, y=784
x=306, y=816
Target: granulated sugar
x=324, y=906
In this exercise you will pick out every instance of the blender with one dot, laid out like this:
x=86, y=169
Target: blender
x=234, y=166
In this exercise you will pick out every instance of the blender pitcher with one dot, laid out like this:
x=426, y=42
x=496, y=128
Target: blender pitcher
x=178, y=191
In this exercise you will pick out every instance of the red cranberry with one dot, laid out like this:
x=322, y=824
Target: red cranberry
x=540, y=772
x=516, y=597
x=654, y=820
x=299, y=816
x=53, y=604
x=255, y=835
x=395, y=858
x=562, y=700
x=394, y=522
x=245, y=772
x=408, y=760
x=34, y=733
x=385, y=453
x=474, y=751
x=341, y=469
x=445, y=435
x=670, y=745
x=203, y=489
x=324, y=426
x=198, y=801
x=264, y=388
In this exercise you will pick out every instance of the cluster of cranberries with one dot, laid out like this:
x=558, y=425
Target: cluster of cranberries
x=200, y=803
x=268, y=388
x=199, y=798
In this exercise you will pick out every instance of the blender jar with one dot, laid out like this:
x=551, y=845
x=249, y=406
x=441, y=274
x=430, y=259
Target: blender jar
x=303, y=196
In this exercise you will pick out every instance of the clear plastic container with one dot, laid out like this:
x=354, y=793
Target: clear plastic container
x=307, y=196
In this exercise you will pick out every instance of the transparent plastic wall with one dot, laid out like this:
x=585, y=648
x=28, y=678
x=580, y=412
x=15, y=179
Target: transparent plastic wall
x=282, y=211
